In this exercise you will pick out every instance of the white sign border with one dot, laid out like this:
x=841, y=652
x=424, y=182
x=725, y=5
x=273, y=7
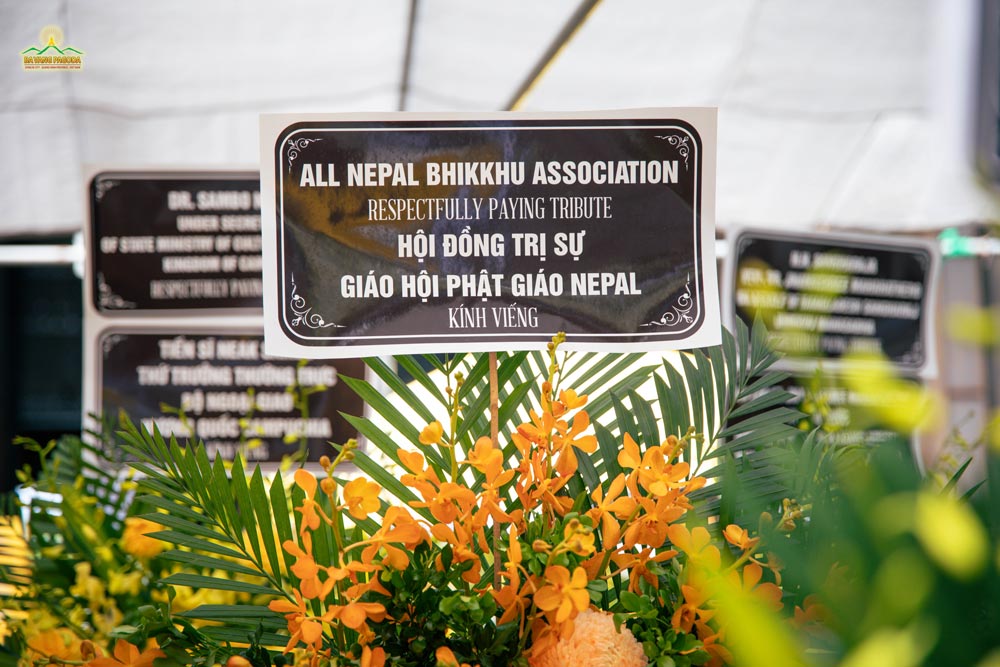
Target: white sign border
x=278, y=343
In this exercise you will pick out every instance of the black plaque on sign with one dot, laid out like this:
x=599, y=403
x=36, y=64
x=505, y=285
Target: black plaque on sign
x=850, y=415
x=489, y=234
x=175, y=242
x=221, y=388
x=823, y=296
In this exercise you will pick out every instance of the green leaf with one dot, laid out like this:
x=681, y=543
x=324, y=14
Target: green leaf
x=676, y=388
x=383, y=406
x=219, y=584
x=192, y=542
x=782, y=415
x=225, y=612
x=243, y=515
x=180, y=509
x=510, y=407
x=608, y=446
x=626, y=423
x=393, y=381
x=410, y=365
x=244, y=635
x=265, y=522
x=207, y=562
x=281, y=513
x=185, y=526
x=649, y=432
x=481, y=403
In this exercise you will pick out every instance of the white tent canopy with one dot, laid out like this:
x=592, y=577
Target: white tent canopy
x=833, y=113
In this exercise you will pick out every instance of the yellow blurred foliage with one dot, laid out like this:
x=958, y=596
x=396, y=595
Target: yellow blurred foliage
x=952, y=535
x=905, y=647
x=901, y=405
x=969, y=324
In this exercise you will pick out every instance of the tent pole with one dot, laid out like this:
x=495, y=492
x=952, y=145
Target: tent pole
x=404, y=83
x=987, y=277
x=578, y=18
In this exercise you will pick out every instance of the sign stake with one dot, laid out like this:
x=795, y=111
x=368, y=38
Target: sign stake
x=495, y=435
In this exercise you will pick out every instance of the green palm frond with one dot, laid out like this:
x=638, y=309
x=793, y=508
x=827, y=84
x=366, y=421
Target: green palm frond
x=72, y=466
x=228, y=527
x=77, y=489
x=413, y=405
x=728, y=395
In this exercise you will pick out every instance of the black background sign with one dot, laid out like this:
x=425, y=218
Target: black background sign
x=845, y=415
x=171, y=242
x=403, y=254
x=823, y=298
x=210, y=377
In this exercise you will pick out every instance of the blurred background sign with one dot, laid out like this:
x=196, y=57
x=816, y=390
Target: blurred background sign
x=174, y=242
x=217, y=385
x=828, y=296
x=172, y=327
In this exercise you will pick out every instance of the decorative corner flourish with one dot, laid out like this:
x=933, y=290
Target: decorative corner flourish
x=915, y=355
x=104, y=186
x=679, y=312
x=680, y=143
x=107, y=298
x=109, y=342
x=303, y=312
x=295, y=146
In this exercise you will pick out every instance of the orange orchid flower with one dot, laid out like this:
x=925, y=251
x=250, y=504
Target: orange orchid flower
x=578, y=538
x=355, y=615
x=398, y=527
x=539, y=430
x=607, y=508
x=489, y=501
x=448, y=502
x=459, y=539
x=740, y=537
x=485, y=458
x=565, y=594
x=697, y=544
x=637, y=565
x=649, y=527
x=412, y=461
x=444, y=657
x=431, y=434
x=310, y=510
x=570, y=399
x=306, y=569
x=710, y=640
x=301, y=625
x=423, y=478
x=658, y=476
x=811, y=616
x=128, y=655
x=372, y=657
x=692, y=610
x=361, y=497
x=57, y=643
x=571, y=435
x=769, y=593
x=629, y=457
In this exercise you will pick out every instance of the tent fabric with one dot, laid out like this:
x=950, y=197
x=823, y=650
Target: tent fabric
x=831, y=111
